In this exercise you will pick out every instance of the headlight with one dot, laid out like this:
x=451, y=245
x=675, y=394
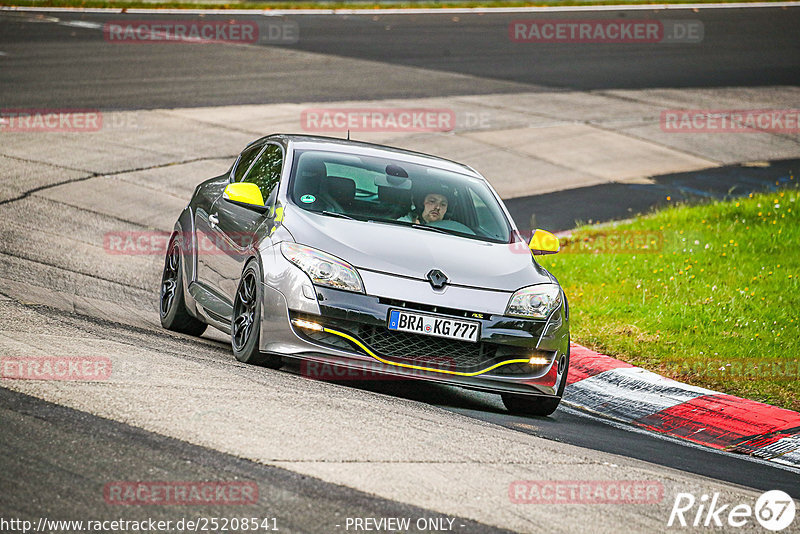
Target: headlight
x=324, y=269
x=536, y=302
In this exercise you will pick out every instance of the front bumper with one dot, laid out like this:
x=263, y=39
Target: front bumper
x=350, y=333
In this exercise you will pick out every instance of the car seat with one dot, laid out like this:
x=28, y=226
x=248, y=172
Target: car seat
x=395, y=202
x=338, y=192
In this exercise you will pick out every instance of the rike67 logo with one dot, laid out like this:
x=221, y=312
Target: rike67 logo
x=774, y=510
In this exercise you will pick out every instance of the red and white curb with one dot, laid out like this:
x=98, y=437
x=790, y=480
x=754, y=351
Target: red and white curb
x=619, y=391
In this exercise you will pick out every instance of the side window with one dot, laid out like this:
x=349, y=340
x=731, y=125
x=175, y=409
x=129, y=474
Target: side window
x=266, y=173
x=245, y=160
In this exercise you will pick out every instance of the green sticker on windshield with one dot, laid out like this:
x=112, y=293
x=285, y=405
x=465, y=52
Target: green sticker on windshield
x=308, y=199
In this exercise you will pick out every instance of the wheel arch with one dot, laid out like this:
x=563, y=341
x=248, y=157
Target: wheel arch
x=184, y=230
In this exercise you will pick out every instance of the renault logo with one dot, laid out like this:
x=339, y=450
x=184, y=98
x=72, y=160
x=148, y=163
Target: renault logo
x=437, y=279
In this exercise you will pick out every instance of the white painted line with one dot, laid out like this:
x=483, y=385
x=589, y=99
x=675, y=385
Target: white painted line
x=409, y=11
x=3, y=54
x=81, y=24
x=785, y=450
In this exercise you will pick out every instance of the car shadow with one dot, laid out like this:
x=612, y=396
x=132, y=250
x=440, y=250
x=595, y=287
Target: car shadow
x=442, y=395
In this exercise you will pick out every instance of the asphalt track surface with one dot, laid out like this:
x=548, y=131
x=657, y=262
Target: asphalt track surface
x=577, y=428
x=41, y=69
x=68, y=454
x=355, y=57
x=564, y=210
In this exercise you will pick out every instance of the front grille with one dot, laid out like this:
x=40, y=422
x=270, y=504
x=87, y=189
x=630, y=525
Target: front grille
x=428, y=350
x=516, y=369
x=417, y=349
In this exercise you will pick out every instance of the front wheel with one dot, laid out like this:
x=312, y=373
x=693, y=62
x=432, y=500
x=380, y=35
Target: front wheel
x=539, y=406
x=172, y=303
x=246, y=326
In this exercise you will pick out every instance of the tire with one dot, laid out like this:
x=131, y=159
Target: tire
x=172, y=304
x=537, y=406
x=246, y=324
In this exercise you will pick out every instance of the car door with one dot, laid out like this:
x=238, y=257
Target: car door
x=238, y=229
x=206, y=221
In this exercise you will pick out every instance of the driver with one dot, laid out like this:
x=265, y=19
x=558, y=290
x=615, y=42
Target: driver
x=431, y=209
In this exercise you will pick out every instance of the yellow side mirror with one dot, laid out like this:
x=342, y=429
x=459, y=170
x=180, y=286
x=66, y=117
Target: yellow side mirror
x=245, y=194
x=543, y=242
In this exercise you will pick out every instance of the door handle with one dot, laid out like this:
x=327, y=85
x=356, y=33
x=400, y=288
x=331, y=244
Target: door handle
x=213, y=220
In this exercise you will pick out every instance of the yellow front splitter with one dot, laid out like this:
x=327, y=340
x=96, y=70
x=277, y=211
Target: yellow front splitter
x=416, y=367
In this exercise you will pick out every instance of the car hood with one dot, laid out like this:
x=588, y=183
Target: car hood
x=413, y=253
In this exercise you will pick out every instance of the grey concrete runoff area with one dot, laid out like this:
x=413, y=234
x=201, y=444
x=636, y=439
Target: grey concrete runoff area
x=180, y=408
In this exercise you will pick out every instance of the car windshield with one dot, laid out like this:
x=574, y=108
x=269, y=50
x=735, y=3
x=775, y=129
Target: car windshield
x=393, y=191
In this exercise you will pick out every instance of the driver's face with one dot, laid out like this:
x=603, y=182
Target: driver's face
x=435, y=207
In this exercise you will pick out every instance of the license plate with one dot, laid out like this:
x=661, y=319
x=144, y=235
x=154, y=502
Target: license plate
x=432, y=325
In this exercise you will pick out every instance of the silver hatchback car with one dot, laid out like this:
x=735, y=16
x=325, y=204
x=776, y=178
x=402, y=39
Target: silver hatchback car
x=370, y=259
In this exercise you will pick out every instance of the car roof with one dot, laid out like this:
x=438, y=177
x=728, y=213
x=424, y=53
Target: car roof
x=318, y=142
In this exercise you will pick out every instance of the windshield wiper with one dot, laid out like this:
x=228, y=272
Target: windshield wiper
x=395, y=222
x=430, y=228
x=335, y=214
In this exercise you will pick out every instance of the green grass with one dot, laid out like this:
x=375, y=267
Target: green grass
x=336, y=4
x=713, y=301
